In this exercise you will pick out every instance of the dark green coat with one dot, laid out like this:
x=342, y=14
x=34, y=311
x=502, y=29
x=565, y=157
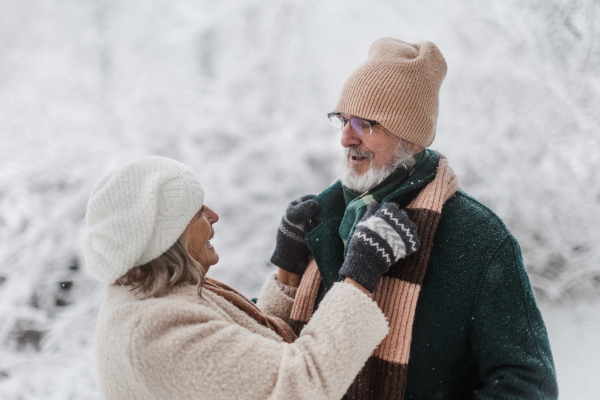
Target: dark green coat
x=477, y=328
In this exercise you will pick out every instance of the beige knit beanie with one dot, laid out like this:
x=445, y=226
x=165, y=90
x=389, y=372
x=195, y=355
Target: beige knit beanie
x=398, y=86
x=137, y=212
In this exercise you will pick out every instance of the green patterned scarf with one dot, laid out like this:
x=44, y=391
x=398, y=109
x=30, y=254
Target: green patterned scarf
x=356, y=204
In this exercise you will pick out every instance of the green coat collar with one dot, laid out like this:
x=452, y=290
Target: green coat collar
x=324, y=241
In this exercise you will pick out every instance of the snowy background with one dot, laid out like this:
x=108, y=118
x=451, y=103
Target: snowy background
x=239, y=90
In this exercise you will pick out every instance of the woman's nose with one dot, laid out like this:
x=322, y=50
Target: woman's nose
x=211, y=215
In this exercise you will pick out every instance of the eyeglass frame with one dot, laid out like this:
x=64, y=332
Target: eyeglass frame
x=372, y=123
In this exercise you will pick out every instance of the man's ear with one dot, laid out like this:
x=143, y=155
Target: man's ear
x=416, y=149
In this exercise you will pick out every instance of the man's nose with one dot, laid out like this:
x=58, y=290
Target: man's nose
x=349, y=137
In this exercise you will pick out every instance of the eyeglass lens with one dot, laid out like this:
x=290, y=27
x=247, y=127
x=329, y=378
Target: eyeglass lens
x=359, y=126
x=336, y=122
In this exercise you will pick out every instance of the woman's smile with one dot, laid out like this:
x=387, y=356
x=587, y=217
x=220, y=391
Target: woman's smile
x=199, y=233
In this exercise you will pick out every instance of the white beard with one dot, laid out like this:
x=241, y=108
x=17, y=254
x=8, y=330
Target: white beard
x=360, y=183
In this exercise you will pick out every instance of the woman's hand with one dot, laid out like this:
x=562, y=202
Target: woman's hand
x=382, y=237
x=291, y=253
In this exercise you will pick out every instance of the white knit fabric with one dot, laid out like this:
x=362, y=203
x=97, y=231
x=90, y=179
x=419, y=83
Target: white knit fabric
x=137, y=212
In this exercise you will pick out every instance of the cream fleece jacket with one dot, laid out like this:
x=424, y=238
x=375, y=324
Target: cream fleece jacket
x=183, y=347
x=274, y=301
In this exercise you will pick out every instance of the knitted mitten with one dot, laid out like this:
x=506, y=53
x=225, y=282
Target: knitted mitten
x=381, y=238
x=291, y=252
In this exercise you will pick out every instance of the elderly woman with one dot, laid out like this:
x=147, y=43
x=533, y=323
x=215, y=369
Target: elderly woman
x=166, y=331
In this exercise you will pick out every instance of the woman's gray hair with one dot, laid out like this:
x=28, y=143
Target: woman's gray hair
x=172, y=268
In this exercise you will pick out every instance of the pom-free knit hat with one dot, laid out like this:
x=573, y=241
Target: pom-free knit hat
x=398, y=86
x=137, y=212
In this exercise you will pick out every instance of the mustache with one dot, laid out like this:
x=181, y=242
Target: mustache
x=354, y=151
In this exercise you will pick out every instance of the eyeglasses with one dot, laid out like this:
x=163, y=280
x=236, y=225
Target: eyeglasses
x=361, y=127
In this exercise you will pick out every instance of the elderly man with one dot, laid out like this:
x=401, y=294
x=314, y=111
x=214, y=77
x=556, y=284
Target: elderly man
x=463, y=319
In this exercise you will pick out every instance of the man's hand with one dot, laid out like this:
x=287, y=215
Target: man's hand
x=382, y=237
x=291, y=253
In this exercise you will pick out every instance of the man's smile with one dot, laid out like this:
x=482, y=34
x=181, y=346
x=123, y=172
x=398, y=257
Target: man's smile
x=357, y=159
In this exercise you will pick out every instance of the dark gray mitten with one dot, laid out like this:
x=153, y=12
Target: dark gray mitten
x=382, y=237
x=291, y=252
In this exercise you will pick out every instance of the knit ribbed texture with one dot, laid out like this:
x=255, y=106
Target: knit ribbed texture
x=398, y=86
x=303, y=310
x=384, y=375
x=137, y=212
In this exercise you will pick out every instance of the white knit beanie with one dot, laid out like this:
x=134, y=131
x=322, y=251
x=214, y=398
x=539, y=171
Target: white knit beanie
x=137, y=212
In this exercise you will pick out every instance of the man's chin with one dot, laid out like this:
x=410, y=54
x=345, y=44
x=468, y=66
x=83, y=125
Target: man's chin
x=357, y=170
x=355, y=178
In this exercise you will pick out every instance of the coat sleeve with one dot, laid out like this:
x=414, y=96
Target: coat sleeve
x=509, y=338
x=194, y=355
x=273, y=301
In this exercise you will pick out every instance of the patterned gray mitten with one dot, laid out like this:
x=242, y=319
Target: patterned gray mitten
x=291, y=252
x=382, y=237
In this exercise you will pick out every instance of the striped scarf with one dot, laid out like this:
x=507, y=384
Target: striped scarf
x=385, y=373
